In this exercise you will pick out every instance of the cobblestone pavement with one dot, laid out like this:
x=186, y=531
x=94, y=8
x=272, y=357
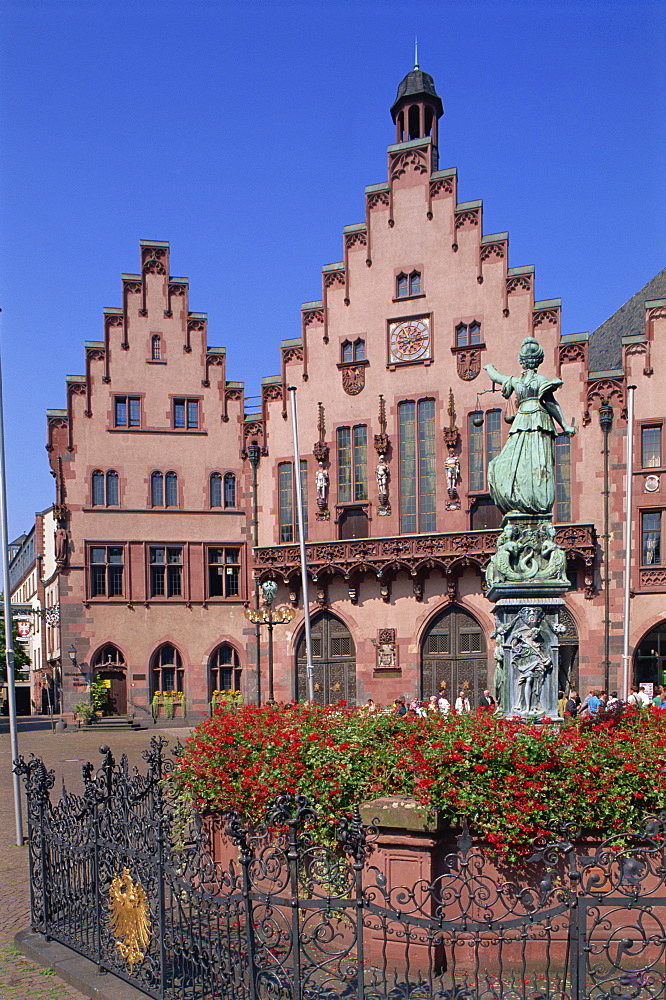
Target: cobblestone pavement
x=65, y=752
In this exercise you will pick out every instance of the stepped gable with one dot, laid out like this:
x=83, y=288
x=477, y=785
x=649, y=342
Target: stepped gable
x=629, y=320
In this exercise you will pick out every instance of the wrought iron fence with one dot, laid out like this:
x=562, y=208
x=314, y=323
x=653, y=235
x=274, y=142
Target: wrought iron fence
x=118, y=876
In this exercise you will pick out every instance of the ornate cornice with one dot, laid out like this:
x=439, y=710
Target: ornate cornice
x=606, y=391
x=413, y=554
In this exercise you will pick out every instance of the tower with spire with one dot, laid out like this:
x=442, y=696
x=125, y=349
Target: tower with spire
x=417, y=107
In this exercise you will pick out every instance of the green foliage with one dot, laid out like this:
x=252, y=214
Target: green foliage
x=21, y=658
x=85, y=712
x=98, y=694
x=507, y=777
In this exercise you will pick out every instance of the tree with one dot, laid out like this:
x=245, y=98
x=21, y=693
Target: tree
x=21, y=658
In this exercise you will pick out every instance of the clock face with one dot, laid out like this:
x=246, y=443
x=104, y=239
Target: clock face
x=410, y=340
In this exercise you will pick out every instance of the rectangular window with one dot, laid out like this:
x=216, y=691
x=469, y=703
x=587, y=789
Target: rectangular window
x=286, y=502
x=427, y=466
x=407, y=465
x=344, y=465
x=186, y=414
x=493, y=435
x=475, y=437
x=106, y=571
x=231, y=572
x=651, y=538
x=166, y=572
x=651, y=447
x=223, y=572
x=127, y=411
x=562, y=477
x=361, y=462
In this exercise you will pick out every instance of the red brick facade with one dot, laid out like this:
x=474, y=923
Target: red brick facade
x=389, y=363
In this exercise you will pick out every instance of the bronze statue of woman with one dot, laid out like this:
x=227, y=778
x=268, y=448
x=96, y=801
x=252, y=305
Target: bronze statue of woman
x=522, y=477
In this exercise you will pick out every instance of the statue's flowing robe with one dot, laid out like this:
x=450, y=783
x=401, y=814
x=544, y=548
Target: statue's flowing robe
x=522, y=476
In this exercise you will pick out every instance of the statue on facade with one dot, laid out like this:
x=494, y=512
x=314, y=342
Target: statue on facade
x=553, y=556
x=321, y=482
x=60, y=545
x=382, y=476
x=522, y=477
x=452, y=470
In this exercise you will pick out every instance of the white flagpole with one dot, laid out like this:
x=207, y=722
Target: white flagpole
x=627, y=539
x=9, y=635
x=301, y=540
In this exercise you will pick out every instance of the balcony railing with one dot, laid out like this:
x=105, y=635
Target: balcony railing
x=414, y=554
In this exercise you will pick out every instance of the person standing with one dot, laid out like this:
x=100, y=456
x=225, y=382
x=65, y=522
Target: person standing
x=486, y=700
x=462, y=706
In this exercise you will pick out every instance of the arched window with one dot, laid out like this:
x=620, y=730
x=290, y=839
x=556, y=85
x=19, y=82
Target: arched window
x=98, y=488
x=216, y=490
x=108, y=656
x=229, y=490
x=171, y=490
x=408, y=284
x=167, y=672
x=112, y=494
x=157, y=489
x=156, y=347
x=414, y=123
x=224, y=672
x=347, y=355
x=467, y=336
x=359, y=350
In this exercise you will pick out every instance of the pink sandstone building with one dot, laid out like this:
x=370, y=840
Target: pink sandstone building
x=173, y=503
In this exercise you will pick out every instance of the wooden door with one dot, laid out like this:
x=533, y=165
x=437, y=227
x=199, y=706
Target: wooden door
x=116, y=703
x=353, y=523
x=333, y=659
x=453, y=657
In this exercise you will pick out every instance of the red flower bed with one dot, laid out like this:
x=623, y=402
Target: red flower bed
x=508, y=778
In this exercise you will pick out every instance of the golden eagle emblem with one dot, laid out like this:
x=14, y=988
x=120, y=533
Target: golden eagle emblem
x=130, y=918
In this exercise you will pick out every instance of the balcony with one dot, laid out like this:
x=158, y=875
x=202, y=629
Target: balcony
x=448, y=552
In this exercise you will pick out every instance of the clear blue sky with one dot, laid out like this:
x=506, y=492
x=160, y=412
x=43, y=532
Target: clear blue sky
x=244, y=133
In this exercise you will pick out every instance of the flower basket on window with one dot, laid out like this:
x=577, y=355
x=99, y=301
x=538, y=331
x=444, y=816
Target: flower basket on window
x=226, y=698
x=165, y=704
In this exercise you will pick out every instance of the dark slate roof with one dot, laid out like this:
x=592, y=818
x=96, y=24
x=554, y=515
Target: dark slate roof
x=417, y=83
x=605, y=351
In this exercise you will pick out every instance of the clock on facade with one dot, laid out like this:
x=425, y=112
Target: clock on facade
x=409, y=340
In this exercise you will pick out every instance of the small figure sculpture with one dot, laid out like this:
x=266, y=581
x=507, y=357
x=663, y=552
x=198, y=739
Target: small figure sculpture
x=382, y=475
x=530, y=661
x=60, y=538
x=554, y=556
x=321, y=480
x=452, y=469
x=512, y=561
x=522, y=477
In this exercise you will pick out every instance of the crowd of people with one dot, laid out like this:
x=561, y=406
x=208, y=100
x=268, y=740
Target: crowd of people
x=569, y=706
x=436, y=703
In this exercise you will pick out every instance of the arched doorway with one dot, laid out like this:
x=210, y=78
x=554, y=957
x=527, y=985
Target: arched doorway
x=109, y=664
x=650, y=657
x=568, y=669
x=453, y=656
x=333, y=659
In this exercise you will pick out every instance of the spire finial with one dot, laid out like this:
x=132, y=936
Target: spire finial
x=416, y=52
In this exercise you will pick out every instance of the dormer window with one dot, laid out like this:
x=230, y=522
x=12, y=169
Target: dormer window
x=468, y=334
x=352, y=351
x=408, y=284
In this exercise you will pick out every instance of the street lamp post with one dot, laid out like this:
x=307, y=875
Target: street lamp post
x=266, y=615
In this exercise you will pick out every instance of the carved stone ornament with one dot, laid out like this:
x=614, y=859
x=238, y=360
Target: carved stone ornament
x=386, y=649
x=353, y=379
x=469, y=364
x=652, y=484
x=526, y=650
x=527, y=551
x=375, y=199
